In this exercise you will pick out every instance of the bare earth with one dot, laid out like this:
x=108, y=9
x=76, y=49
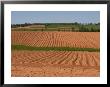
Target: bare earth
x=57, y=39
x=55, y=63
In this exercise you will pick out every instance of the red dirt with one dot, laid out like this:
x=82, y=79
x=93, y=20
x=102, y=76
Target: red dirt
x=55, y=63
x=57, y=39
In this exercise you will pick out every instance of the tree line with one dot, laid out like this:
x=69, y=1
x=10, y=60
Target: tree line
x=88, y=27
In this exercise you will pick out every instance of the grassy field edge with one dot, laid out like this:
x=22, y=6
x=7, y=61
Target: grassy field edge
x=32, y=48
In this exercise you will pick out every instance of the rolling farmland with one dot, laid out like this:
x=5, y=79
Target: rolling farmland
x=56, y=43
x=43, y=62
x=57, y=39
x=55, y=63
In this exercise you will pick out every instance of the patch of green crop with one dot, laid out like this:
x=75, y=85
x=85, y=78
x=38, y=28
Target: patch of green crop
x=32, y=48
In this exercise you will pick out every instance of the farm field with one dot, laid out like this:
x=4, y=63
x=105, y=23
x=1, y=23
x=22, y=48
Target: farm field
x=56, y=39
x=55, y=43
x=47, y=53
x=55, y=63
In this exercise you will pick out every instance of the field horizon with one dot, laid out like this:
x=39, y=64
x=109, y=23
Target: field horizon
x=74, y=27
x=61, y=52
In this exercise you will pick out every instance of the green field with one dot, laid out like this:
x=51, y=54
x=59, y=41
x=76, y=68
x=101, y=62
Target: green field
x=74, y=27
x=31, y=48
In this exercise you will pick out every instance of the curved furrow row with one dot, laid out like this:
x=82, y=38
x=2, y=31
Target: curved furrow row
x=58, y=58
x=71, y=58
x=57, y=39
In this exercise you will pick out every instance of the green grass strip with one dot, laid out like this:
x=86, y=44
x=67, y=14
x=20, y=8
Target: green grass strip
x=31, y=48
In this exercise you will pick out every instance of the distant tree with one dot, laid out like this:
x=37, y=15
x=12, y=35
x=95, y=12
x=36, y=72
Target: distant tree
x=75, y=23
x=92, y=30
x=90, y=23
x=97, y=24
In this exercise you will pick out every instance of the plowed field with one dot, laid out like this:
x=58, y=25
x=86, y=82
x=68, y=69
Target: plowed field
x=57, y=39
x=55, y=63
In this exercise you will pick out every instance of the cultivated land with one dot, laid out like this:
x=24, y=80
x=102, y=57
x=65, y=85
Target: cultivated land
x=55, y=63
x=56, y=39
x=55, y=53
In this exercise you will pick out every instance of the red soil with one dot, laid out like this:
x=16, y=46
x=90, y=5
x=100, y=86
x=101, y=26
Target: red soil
x=55, y=63
x=57, y=39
